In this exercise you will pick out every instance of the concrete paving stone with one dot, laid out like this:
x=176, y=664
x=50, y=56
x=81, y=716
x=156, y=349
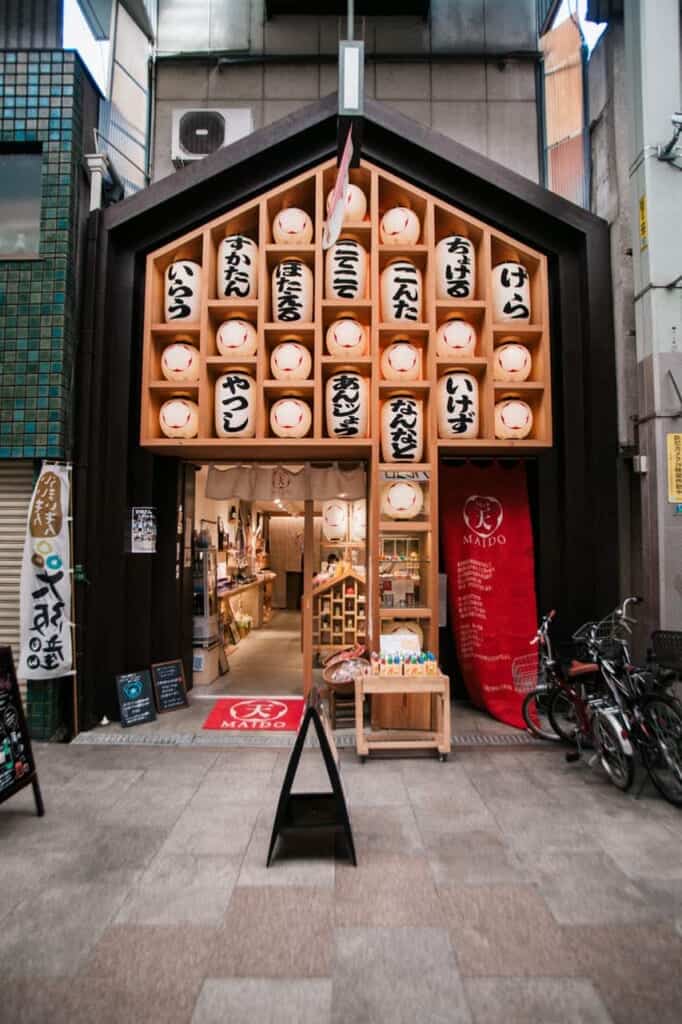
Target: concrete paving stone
x=535, y=1001
x=444, y=816
x=22, y=875
x=474, y=858
x=310, y=863
x=375, y=786
x=649, y=850
x=387, y=891
x=151, y=959
x=230, y=787
x=184, y=870
x=82, y=1001
x=218, y=829
x=247, y=760
x=112, y=855
x=155, y=806
x=545, y=840
x=504, y=931
x=267, y=1001
x=385, y=830
x=400, y=975
x=587, y=887
x=523, y=787
x=157, y=904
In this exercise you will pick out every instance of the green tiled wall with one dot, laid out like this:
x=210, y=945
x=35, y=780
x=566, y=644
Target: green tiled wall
x=41, y=101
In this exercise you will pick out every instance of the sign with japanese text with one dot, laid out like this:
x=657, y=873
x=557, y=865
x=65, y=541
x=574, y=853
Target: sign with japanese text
x=17, y=766
x=46, y=579
x=168, y=678
x=675, y=468
x=135, y=698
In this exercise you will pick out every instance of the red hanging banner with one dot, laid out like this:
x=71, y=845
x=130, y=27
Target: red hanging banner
x=488, y=550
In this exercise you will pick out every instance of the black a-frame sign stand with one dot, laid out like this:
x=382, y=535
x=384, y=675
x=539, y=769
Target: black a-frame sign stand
x=313, y=813
x=17, y=766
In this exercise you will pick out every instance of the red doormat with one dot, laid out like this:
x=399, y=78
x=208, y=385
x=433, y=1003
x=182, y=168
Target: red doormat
x=256, y=714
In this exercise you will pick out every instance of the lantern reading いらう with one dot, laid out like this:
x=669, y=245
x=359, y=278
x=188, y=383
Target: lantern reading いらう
x=182, y=291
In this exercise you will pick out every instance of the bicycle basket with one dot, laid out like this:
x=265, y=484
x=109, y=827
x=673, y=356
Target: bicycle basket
x=527, y=673
x=607, y=636
x=667, y=645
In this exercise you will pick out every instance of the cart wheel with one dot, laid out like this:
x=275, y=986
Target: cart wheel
x=363, y=758
x=442, y=758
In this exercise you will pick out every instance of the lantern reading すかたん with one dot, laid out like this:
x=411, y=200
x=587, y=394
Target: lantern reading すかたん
x=512, y=362
x=402, y=499
x=180, y=362
x=513, y=419
x=457, y=399
x=456, y=338
x=335, y=520
x=401, y=292
x=290, y=361
x=290, y=417
x=179, y=417
x=236, y=338
x=346, y=338
x=237, y=268
x=347, y=405
x=399, y=226
x=355, y=204
x=292, y=226
x=346, y=270
x=182, y=290
x=292, y=292
x=402, y=429
x=235, y=405
x=455, y=268
x=511, y=293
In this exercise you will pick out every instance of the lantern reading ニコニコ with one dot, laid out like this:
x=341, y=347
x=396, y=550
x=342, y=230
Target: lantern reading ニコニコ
x=290, y=417
x=347, y=405
x=511, y=293
x=236, y=338
x=290, y=361
x=292, y=292
x=399, y=226
x=235, y=405
x=179, y=417
x=401, y=292
x=455, y=268
x=402, y=429
x=292, y=226
x=346, y=271
x=182, y=292
x=457, y=404
x=237, y=268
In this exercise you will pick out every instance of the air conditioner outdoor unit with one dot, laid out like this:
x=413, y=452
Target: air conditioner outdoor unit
x=198, y=132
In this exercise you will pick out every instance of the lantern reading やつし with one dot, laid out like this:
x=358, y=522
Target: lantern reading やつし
x=401, y=361
x=455, y=268
x=399, y=226
x=346, y=337
x=512, y=362
x=347, y=405
x=292, y=292
x=513, y=419
x=236, y=338
x=402, y=499
x=290, y=417
x=237, y=268
x=290, y=361
x=511, y=293
x=402, y=429
x=401, y=292
x=180, y=362
x=335, y=520
x=292, y=226
x=456, y=338
x=179, y=417
x=358, y=521
x=346, y=270
x=182, y=290
x=235, y=405
x=355, y=204
x=457, y=400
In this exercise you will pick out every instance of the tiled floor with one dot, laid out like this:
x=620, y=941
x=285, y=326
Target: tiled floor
x=267, y=661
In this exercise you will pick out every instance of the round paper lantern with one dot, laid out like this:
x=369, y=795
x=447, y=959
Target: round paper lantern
x=456, y=338
x=290, y=361
x=455, y=268
x=235, y=405
x=401, y=292
x=182, y=290
x=290, y=417
x=402, y=429
x=237, y=268
x=346, y=338
x=511, y=293
x=513, y=419
x=335, y=520
x=358, y=521
x=347, y=405
x=292, y=226
x=179, y=417
x=400, y=361
x=236, y=338
x=292, y=292
x=402, y=499
x=180, y=362
x=355, y=205
x=458, y=405
x=346, y=270
x=409, y=627
x=512, y=362
x=399, y=226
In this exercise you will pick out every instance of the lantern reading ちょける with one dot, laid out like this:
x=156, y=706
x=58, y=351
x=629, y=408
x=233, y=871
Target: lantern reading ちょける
x=455, y=268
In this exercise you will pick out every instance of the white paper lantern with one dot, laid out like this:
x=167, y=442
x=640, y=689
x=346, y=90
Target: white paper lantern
x=346, y=270
x=179, y=417
x=402, y=499
x=347, y=405
x=290, y=417
x=235, y=405
x=512, y=362
x=358, y=521
x=180, y=362
x=513, y=419
x=455, y=268
x=355, y=205
x=290, y=361
x=456, y=338
x=511, y=293
x=236, y=338
x=292, y=226
x=407, y=628
x=458, y=405
x=399, y=226
x=237, y=268
x=401, y=292
x=182, y=291
x=401, y=361
x=335, y=520
x=402, y=429
x=292, y=292
x=346, y=338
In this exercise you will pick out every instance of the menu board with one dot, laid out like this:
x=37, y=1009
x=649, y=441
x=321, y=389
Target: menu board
x=170, y=691
x=135, y=698
x=17, y=767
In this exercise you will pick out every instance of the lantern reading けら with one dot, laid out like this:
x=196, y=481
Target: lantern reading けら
x=511, y=293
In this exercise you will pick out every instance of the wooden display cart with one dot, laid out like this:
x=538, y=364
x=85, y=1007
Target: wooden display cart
x=435, y=688
x=339, y=613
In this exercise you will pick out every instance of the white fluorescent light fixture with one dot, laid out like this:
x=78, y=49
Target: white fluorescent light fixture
x=351, y=77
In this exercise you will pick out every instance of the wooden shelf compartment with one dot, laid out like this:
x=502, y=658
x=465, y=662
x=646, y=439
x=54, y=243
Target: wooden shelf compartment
x=299, y=192
x=404, y=613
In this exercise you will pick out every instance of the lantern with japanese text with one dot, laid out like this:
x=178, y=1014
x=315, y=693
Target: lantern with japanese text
x=512, y=362
x=335, y=521
x=513, y=419
x=402, y=499
x=458, y=406
x=290, y=361
x=358, y=521
x=237, y=268
x=346, y=270
x=401, y=361
x=399, y=226
x=355, y=204
x=347, y=405
x=235, y=405
x=346, y=338
x=402, y=429
x=511, y=293
x=180, y=362
x=292, y=292
x=236, y=338
x=292, y=226
x=179, y=417
x=456, y=338
x=455, y=268
x=401, y=292
x=290, y=417
x=182, y=291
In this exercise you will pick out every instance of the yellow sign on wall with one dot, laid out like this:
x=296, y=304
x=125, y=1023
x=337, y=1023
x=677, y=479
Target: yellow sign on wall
x=643, y=224
x=675, y=468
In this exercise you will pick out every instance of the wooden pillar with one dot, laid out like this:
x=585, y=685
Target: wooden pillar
x=307, y=617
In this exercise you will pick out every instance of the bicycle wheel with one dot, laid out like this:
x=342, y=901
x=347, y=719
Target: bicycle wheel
x=662, y=754
x=563, y=716
x=535, y=711
x=616, y=762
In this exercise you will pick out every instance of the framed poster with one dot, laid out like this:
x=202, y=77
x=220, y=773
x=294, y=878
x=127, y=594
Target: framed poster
x=143, y=530
x=170, y=690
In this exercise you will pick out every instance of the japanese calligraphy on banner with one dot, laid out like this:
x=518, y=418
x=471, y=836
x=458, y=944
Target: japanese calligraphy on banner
x=674, y=444
x=46, y=579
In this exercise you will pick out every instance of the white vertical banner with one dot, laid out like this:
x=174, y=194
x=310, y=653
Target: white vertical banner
x=337, y=205
x=46, y=579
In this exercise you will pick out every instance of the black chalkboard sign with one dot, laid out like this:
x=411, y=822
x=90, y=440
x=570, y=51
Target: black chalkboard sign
x=312, y=813
x=17, y=767
x=170, y=692
x=135, y=698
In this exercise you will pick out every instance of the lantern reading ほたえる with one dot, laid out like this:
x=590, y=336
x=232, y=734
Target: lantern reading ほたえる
x=292, y=292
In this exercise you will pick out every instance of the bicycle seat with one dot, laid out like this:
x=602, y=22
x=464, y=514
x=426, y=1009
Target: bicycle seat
x=581, y=668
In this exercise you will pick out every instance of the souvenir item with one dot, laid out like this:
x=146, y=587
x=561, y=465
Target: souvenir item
x=347, y=405
x=235, y=405
x=290, y=417
x=292, y=226
x=182, y=290
x=292, y=292
x=179, y=417
x=335, y=520
x=401, y=292
x=399, y=226
x=402, y=429
x=455, y=268
x=400, y=361
x=355, y=208
x=358, y=521
x=346, y=270
x=236, y=338
x=456, y=338
x=513, y=419
x=237, y=268
x=511, y=293
x=402, y=499
x=346, y=338
x=180, y=362
x=290, y=361
x=512, y=362
x=457, y=400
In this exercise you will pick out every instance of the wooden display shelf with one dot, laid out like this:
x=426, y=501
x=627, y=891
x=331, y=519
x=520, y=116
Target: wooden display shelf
x=405, y=613
x=404, y=525
x=433, y=687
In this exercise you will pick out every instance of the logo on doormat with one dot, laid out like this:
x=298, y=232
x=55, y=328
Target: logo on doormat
x=256, y=714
